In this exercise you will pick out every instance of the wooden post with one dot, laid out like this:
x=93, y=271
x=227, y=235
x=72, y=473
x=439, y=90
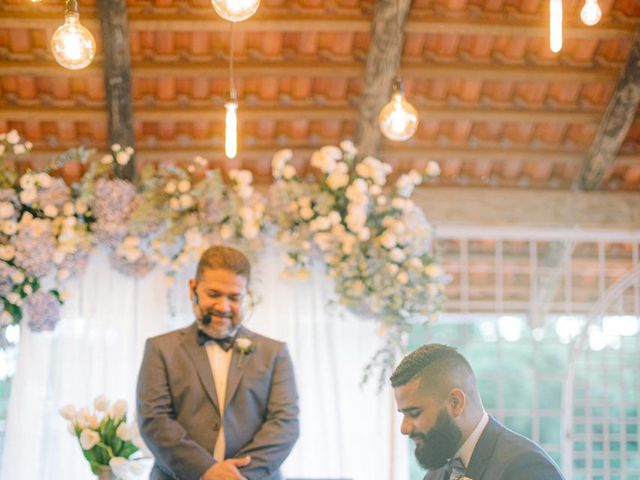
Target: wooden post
x=117, y=76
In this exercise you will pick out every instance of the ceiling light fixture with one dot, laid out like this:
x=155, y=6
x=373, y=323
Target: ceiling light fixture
x=591, y=12
x=72, y=45
x=235, y=10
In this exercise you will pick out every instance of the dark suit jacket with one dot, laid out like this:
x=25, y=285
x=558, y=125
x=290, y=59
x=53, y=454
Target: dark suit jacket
x=179, y=415
x=501, y=454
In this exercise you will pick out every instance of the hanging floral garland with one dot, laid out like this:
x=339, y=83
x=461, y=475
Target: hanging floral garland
x=374, y=241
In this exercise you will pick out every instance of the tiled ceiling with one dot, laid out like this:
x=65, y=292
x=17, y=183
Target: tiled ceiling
x=497, y=107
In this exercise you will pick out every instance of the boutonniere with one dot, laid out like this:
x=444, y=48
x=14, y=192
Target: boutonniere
x=244, y=346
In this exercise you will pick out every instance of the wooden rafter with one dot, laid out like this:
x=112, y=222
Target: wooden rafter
x=422, y=70
x=117, y=76
x=383, y=63
x=207, y=21
x=615, y=123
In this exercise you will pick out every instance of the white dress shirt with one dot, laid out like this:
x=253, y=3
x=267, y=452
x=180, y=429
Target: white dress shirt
x=466, y=450
x=219, y=361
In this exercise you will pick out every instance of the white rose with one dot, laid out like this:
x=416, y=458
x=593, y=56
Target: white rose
x=68, y=412
x=122, y=157
x=392, y=268
x=43, y=179
x=13, y=137
x=14, y=298
x=89, y=439
x=433, y=270
x=68, y=209
x=403, y=278
x=186, y=201
x=106, y=159
x=50, y=211
x=288, y=172
x=170, y=187
x=364, y=234
x=27, y=181
x=7, y=210
x=7, y=252
x=306, y=213
x=101, y=403
x=124, y=432
x=5, y=318
x=118, y=410
x=226, y=231
x=348, y=147
x=17, y=277
x=174, y=204
x=280, y=159
x=433, y=169
x=337, y=180
x=115, y=147
x=332, y=152
x=19, y=149
x=243, y=343
x=364, y=170
x=388, y=240
x=415, y=263
x=27, y=197
x=397, y=255
x=184, y=186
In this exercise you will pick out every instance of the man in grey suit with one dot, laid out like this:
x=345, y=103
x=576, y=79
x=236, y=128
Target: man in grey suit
x=437, y=393
x=216, y=401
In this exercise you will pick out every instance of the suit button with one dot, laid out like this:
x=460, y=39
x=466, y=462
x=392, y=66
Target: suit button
x=216, y=426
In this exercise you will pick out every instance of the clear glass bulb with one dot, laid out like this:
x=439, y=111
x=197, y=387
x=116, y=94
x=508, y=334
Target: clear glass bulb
x=72, y=44
x=235, y=10
x=231, y=129
x=591, y=12
x=555, y=25
x=398, y=120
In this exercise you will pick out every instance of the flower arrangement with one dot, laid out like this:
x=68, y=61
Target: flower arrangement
x=373, y=240
x=104, y=435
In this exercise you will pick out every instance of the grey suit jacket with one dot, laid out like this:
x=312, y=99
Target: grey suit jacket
x=501, y=454
x=179, y=415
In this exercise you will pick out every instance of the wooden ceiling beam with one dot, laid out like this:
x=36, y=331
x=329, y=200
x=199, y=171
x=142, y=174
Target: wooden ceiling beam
x=422, y=70
x=616, y=121
x=429, y=25
x=247, y=113
x=392, y=155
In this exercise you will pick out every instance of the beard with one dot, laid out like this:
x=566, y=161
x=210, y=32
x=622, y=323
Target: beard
x=439, y=444
x=218, y=324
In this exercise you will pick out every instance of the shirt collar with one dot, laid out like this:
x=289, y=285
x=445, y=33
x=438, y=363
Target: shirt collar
x=466, y=450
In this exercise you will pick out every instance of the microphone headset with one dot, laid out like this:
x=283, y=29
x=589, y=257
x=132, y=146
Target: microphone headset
x=247, y=302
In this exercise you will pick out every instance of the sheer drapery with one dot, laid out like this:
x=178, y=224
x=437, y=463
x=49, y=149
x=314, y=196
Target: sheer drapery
x=346, y=431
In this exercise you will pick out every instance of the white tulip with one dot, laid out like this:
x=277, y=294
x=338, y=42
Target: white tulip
x=14, y=298
x=17, y=277
x=124, y=432
x=5, y=318
x=122, y=158
x=27, y=289
x=89, y=439
x=101, y=403
x=92, y=422
x=119, y=466
x=68, y=412
x=115, y=147
x=118, y=410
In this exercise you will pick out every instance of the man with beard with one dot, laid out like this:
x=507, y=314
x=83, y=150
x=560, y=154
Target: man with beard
x=437, y=393
x=215, y=400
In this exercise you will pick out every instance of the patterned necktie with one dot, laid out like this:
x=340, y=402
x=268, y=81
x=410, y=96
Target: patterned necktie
x=225, y=343
x=456, y=469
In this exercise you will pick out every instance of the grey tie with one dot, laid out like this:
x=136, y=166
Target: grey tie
x=456, y=469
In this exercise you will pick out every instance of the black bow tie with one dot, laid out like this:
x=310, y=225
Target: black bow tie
x=225, y=343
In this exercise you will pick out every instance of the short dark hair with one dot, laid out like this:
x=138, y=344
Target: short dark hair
x=439, y=358
x=225, y=258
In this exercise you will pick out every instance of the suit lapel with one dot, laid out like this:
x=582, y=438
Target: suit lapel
x=237, y=366
x=198, y=354
x=483, y=451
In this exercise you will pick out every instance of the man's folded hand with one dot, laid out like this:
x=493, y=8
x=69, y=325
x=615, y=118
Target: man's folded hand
x=227, y=469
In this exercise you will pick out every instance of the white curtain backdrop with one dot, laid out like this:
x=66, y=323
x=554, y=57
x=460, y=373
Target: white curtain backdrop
x=346, y=431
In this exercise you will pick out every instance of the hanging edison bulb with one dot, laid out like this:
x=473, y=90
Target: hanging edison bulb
x=231, y=126
x=72, y=44
x=555, y=25
x=591, y=12
x=235, y=10
x=398, y=119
